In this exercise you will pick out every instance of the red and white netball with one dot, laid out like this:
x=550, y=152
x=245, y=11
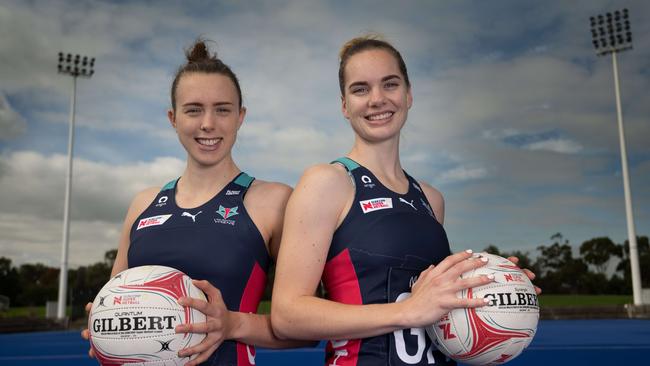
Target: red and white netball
x=133, y=318
x=495, y=333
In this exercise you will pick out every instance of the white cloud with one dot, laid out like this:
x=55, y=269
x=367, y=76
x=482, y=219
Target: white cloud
x=563, y=146
x=32, y=202
x=462, y=173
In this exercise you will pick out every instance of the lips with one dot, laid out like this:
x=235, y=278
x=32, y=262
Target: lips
x=208, y=142
x=379, y=116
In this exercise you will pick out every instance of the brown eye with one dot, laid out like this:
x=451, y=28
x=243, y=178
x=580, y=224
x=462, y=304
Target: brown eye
x=360, y=90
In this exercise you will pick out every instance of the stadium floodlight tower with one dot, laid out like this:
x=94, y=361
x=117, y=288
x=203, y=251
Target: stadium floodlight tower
x=612, y=34
x=75, y=66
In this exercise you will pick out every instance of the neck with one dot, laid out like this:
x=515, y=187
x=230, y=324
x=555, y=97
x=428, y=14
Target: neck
x=381, y=158
x=199, y=179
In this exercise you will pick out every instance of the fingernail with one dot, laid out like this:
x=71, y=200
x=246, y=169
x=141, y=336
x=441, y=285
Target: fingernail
x=486, y=300
x=490, y=276
x=469, y=251
x=483, y=259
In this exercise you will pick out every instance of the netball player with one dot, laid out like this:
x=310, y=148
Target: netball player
x=215, y=223
x=370, y=232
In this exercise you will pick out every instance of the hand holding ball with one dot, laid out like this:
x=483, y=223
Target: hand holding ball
x=497, y=332
x=134, y=315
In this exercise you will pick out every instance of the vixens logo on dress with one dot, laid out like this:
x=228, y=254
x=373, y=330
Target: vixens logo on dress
x=226, y=213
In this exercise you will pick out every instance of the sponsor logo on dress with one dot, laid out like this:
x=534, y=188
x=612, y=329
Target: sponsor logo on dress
x=367, y=182
x=153, y=221
x=232, y=193
x=193, y=217
x=226, y=213
x=162, y=201
x=408, y=203
x=376, y=204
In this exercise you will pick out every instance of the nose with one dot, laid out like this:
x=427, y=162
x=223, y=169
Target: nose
x=208, y=122
x=377, y=97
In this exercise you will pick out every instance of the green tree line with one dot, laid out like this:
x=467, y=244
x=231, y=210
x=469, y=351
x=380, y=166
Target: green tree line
x=599, y=267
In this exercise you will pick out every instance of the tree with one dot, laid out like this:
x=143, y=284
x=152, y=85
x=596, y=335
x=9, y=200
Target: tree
x=38, y=284
x=643, y=247
x=558, y=271
x=109, y=258
x=524, y=259
x=598, y=252
x=492, y=249
x=9, y=279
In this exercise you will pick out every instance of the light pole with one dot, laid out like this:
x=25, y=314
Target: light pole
x=75, y=66
x=612, y=34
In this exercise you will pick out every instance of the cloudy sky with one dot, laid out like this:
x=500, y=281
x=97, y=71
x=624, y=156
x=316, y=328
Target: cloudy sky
x=514, y=116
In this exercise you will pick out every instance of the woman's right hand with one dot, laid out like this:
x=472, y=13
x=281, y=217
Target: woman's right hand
x=85, y=333
x=434, y=293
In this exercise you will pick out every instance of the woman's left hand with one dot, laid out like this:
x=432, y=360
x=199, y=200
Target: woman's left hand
x=528, y=273
x=217, y=325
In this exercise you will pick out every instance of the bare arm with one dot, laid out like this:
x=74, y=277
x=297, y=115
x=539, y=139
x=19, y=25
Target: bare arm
x=313, y=213
x=266, y=203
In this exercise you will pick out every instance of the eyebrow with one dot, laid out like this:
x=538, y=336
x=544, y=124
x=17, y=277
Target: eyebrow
x=197, y=104
x=384, y=79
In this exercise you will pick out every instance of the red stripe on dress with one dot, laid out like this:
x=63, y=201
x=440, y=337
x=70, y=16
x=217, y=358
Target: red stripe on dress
x=249, y=301
x=342, y=284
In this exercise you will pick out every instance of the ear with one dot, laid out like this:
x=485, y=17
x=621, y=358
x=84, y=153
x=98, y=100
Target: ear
x=242, y=114
x=171, y=118
x=409, y=98
x=344, y=107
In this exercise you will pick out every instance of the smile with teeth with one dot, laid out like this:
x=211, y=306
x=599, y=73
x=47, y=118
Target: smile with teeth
x=208, y=142
x=376, y=117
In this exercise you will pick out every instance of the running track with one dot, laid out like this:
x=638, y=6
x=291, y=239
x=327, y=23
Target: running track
x=558, y=342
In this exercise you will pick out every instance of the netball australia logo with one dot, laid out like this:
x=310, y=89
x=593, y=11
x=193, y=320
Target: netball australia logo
x=226, y=213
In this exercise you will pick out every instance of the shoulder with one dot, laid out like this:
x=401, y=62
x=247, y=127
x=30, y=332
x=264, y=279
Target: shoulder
x=325, y=186
x=435, y=198
x=269, y=191
x=142, y=200
x=326, y=175
x=431, y=192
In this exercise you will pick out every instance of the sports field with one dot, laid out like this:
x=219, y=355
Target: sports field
x=558, y=342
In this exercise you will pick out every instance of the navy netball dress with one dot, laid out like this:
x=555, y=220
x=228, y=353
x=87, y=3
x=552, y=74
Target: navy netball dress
x=216, y=241
x=376, y=255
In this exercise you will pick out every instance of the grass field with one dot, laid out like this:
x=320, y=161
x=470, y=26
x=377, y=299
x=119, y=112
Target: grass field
x=583, y=300
x=545, y=300
x=27, y=311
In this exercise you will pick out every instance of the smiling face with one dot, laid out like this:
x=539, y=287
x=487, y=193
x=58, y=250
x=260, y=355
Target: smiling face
x=206, y=116
x=376, y=98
